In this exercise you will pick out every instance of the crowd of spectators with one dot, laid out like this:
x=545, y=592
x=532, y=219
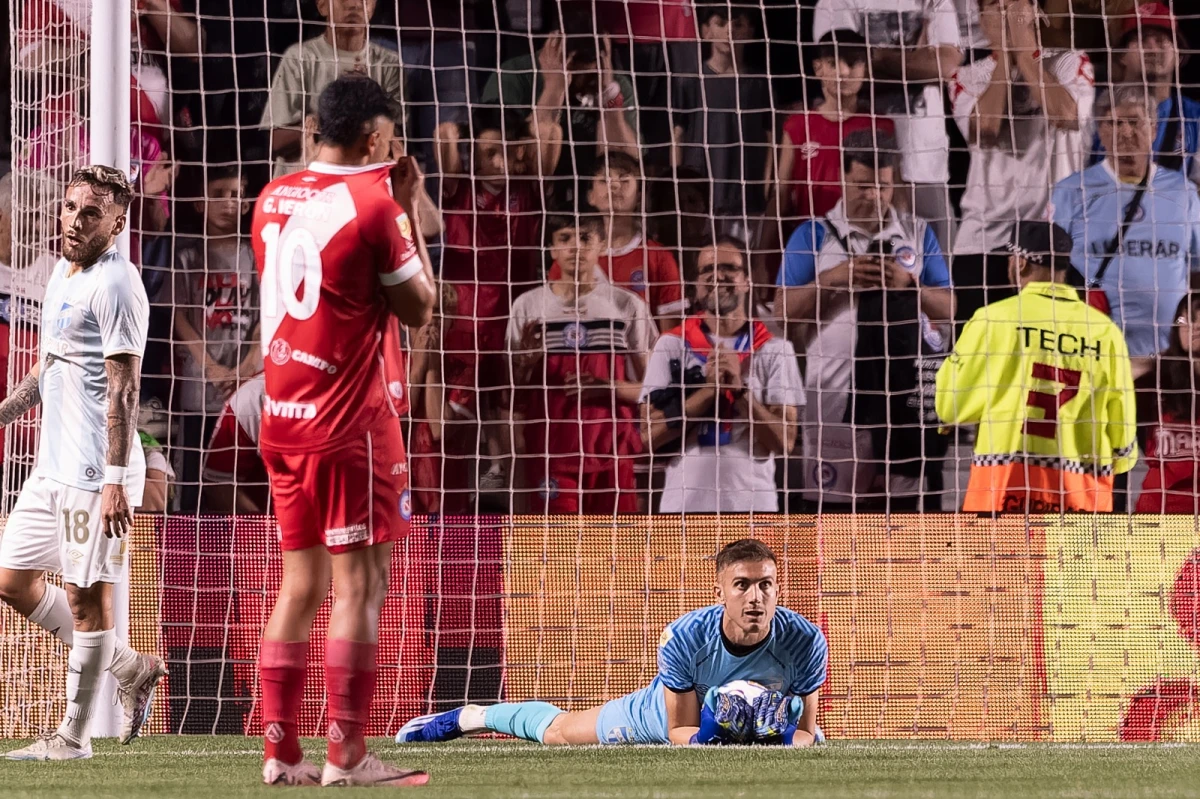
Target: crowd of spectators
x=684, y=252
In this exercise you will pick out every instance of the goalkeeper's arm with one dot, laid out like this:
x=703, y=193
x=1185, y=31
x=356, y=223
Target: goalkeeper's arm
x=683, y=716
x=806, y=725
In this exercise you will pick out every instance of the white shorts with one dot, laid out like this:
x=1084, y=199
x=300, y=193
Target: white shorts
x=59, y=528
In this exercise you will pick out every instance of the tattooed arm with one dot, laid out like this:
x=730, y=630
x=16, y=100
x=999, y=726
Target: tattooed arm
x=124, y=374
x=25, y=396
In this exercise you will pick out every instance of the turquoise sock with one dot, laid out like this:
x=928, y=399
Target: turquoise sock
x=528, y=720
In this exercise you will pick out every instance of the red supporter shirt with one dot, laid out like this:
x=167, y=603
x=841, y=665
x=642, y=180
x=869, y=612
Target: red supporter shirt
x=492, y=243
x=1173, y=457
x=817, y=169
x=649, y=21
x=648, y=270
x=325, y=242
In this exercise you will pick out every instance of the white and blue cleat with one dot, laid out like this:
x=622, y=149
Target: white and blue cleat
x=434, y=728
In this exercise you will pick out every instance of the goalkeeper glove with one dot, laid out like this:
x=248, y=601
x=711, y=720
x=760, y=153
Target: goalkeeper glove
x=725, y=719
x=775, y=717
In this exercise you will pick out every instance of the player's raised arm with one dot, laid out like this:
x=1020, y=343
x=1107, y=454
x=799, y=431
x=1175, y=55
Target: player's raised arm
x=412, y=298
x=25, y=396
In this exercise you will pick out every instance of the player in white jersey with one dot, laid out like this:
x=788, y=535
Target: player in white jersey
x=75, y=510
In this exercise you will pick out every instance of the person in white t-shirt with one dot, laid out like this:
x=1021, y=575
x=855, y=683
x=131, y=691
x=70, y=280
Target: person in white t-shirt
x=309, y=66
x=75, y=510
x=1023, y=111
x=914, y=47
x=721, y=396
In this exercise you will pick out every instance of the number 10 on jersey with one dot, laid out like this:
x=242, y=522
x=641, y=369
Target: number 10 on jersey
x=291, y=276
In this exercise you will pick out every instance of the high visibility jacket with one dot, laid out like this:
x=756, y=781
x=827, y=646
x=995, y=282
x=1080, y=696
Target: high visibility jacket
x=1048, y=380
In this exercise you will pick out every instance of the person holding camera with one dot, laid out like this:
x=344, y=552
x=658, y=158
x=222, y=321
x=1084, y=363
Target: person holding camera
x=869, y=290
x=721, y=395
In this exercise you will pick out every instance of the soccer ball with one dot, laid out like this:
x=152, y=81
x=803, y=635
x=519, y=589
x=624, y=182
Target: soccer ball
x=746, y=689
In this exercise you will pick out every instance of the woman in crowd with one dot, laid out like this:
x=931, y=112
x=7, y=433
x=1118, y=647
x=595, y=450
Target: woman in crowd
x=1169, y=409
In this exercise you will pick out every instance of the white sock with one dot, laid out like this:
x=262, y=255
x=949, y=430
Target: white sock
x=53, y=614
x=85, y=668
x=472, y=719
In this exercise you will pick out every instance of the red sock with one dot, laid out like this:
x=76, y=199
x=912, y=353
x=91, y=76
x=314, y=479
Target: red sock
x=283, y=665
x=350, y=683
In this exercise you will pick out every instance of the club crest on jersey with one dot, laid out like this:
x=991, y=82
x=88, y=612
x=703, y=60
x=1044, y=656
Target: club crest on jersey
x=637, y=281
x=808, y=150
x=406, y=509
x=281, y=352
x=64, y=316
x=575, y=336
x=906, y=256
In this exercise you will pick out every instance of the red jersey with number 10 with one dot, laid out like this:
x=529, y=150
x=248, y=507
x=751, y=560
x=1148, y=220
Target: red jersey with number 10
x=326, y=241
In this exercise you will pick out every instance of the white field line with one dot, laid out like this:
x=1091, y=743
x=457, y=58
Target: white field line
x=512, y=749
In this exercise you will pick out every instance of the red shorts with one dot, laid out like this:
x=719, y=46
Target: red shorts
x=352, y=496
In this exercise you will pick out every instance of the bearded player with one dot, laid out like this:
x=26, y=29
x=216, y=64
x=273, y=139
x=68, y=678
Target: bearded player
x=745, y=636
x=338, y=247
x=74, y=510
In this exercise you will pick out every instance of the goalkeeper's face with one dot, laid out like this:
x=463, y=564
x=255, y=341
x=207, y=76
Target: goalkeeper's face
x=749, y=592
x=90, y=221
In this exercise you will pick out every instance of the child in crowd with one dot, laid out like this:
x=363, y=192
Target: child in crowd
x=810, y=154
x=492, y=210
x=632, y=261
x=579, y=347
x=216, y=303
x=1169, y=406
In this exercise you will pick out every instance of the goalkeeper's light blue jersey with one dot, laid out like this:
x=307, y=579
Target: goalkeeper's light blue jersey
x=693, y=655
x=1149, y=273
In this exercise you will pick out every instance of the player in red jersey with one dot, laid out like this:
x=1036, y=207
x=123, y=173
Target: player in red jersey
x=579, y=347
x=338, y=248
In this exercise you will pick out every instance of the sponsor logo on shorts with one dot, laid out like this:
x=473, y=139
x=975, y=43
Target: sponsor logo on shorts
x=343, y=536
x=548, y=489
x=75, y=555
x=619, y=735
x=288, y=410
x=396, y=389
x=399, y=468
x=281, y=352
x=406, y=509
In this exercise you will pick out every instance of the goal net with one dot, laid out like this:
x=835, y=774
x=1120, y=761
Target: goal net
x=599, y=175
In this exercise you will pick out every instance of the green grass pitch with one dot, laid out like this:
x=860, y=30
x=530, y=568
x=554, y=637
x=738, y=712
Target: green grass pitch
x=228, y=768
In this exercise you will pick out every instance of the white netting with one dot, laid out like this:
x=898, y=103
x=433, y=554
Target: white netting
x=674, y=122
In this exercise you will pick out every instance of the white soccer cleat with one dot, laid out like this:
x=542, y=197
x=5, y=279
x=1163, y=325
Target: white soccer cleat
x=371, y=771
x=137, y=696
x=51, y=746
x=276, y=772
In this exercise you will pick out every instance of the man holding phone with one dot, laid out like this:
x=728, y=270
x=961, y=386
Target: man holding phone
x=864, y=248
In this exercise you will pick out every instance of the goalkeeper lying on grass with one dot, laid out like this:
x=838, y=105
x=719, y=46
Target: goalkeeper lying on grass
x=744, y=638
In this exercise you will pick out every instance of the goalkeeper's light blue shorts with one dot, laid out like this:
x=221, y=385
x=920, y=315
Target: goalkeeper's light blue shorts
x=636, y=718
